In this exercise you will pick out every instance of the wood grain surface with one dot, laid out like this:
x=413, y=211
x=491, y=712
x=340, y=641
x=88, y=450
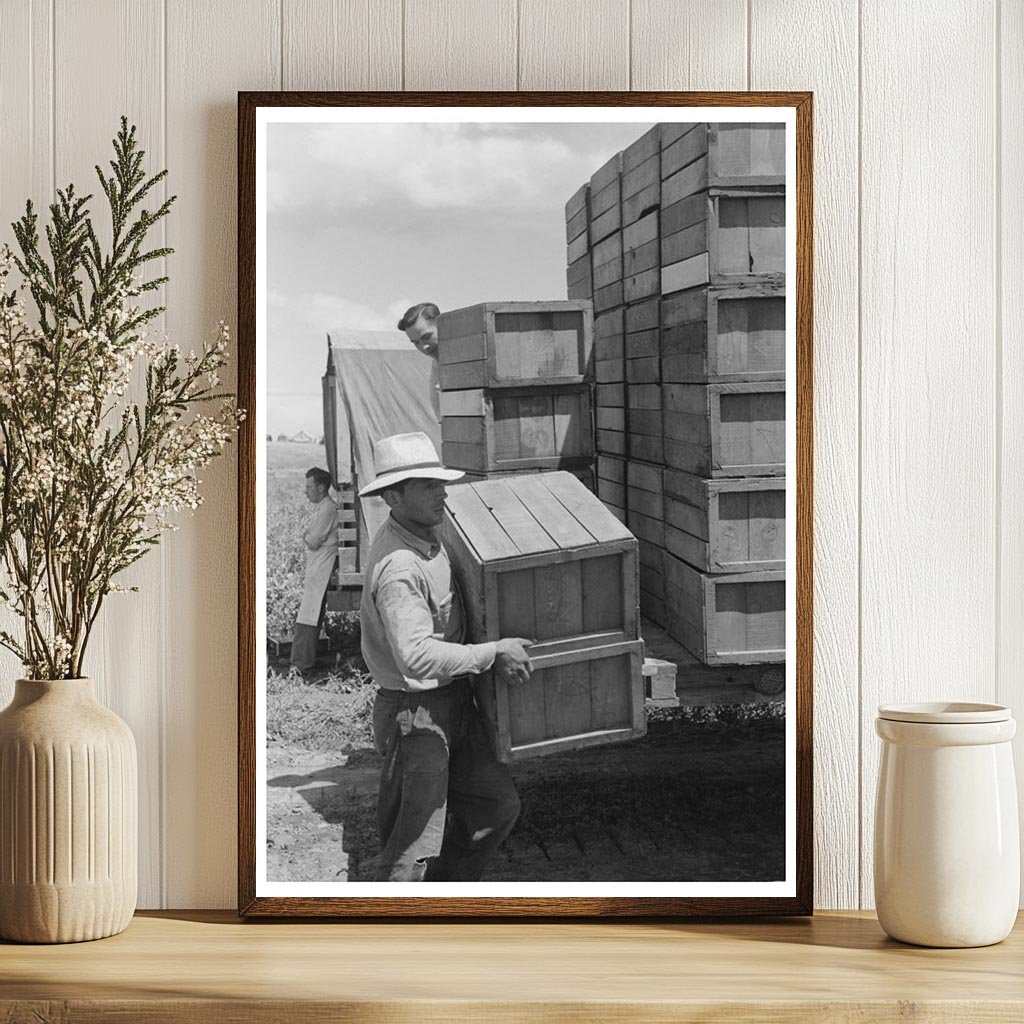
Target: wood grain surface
x=209, y=967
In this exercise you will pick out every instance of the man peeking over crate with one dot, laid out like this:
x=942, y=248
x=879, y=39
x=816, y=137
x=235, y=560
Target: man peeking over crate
x=445, y=804
x=420, y=325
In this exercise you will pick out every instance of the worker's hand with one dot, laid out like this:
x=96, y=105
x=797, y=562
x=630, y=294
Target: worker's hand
x=511, y=661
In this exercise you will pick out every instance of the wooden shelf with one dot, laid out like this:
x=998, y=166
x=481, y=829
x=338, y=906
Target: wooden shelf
x=203, y=967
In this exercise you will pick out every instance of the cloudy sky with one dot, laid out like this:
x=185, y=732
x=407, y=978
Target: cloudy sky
x=364, y=220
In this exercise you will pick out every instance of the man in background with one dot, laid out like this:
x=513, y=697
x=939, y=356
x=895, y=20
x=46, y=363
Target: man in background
x=420, y=325
x=320, y=539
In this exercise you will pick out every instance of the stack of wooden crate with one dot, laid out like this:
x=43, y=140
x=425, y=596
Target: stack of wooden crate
x=690, y=369
x=540, y=557
x=515, y=388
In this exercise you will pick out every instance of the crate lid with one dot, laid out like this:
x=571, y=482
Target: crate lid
x=529, y=515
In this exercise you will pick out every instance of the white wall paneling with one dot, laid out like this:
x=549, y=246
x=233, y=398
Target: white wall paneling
x=576, y=44
x=928, y=357
x=471, y=44
x=342, y=44
x=919, y=301
x=1009, y=312
x=213, y=51
x=689, y=44
x=26, y=162
x=831, y=73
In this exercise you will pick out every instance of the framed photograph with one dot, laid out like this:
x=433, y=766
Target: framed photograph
x=525, y=504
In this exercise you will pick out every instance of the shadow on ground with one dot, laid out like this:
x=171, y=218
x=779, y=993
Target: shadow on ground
x=688, y=802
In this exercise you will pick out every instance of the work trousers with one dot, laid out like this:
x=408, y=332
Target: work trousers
x=306, y=640
x=445, y=804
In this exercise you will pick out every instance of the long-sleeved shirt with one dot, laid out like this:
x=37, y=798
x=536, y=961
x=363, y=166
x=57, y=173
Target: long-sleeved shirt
x=411, y=617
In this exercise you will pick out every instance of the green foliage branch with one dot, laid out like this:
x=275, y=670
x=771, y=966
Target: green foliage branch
x=89, y=476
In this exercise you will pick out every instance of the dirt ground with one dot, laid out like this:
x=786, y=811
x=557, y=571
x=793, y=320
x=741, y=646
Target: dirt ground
x=700, y=798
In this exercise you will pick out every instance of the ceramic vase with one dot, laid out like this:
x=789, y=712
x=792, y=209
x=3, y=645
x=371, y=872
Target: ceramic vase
x=947, y=847
x=68, y=815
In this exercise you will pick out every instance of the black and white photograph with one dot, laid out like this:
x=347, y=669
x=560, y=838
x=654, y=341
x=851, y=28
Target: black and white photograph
x=525, y=502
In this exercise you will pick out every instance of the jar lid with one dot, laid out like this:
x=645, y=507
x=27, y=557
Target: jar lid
x=945, y=712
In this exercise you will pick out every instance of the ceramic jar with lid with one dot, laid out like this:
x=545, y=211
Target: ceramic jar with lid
x=947, y=847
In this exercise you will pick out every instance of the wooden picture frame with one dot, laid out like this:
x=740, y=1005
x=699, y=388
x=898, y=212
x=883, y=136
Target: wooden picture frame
x=796, y=107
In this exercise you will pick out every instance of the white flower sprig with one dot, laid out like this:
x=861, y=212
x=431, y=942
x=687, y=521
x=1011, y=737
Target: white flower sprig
x=88, y=478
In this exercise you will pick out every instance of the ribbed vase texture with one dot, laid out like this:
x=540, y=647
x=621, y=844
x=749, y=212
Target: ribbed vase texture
x=68, y=815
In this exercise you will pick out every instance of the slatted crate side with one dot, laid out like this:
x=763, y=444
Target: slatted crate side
x=611, y=484
x=728, y=155
x=606, y=200
x=734, y=619
x=609, y=335
x=726, y=525
x=613, y=395
x=652, y=581
x=505, y=344
x=579, y=273
x=577, y=211
x=486, y=430
x=726, y=430
x=641, y=245
x=579, y=280
x=607, y=263
x=643, y=365
x=573, y=700
x=610, y=442
x=585, y=475
x=645, y=488
x=747, y=154
x=723, y=239
x=546, y=559
x=681, y=148
x=721, y=334
x=645, y=423
x=645, y=527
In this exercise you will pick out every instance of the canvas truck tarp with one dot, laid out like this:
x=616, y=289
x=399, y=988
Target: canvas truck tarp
x=376, y=384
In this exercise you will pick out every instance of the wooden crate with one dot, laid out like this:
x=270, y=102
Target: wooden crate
x=579, y=279
x=613, y=395
x=577, y=213
x=723, y=239
x=641, y=257
x=542, y=558
x=585, y=475
x=726, y=525
x=606, y=199
x=641, y=176
x=736, y=619
x=510, y=344
x=716, y=430
x=548, y=428
x=723, y=155
x=713, y=334
x=645, y=489
x=611, y=484
x=652, y=581
x=642, y=345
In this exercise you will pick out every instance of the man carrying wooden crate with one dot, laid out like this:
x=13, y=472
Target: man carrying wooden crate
x=320, y=539
x=445, y=804
x=420, y=325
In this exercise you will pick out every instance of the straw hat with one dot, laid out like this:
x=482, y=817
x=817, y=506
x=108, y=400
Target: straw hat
x=406, y=457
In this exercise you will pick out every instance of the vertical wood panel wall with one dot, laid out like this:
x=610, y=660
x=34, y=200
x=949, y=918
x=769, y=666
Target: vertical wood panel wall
x=919, y=154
